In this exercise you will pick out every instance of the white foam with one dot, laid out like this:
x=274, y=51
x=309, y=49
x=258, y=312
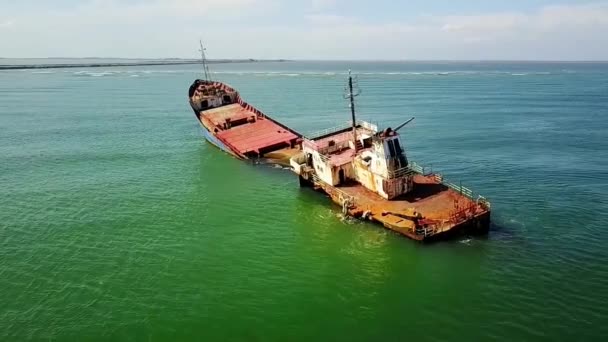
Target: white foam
x=100, y=74
x=93, y=74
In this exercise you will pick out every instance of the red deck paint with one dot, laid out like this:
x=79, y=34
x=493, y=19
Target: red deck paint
x=257, y=135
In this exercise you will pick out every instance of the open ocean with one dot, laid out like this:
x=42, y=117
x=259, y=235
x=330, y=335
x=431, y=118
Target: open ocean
x=119, y=222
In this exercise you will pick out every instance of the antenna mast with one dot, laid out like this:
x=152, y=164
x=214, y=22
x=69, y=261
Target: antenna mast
x=204, y=61
x=351, y=94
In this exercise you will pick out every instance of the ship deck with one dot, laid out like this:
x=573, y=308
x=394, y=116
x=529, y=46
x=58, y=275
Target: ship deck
x=254, y=134
x=444, y=209
x=431, y=199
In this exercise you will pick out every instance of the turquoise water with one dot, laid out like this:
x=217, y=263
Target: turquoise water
x=117, y=221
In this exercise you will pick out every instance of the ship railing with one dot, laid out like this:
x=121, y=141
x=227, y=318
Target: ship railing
x=439, y=178
x=411, y=169
x=416, y=168
x=368, y=125
x=328, y=131
x=462, y=214
x=459, y=188
x=340, y=127
x=335, y=148
x=324, y=158
x=402, y=172
x=477, y=198
x=310, y=144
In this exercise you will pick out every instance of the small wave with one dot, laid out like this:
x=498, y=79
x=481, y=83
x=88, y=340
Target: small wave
x=100, y=74
x=93, y=74
x=519, y=74
x=43, y=72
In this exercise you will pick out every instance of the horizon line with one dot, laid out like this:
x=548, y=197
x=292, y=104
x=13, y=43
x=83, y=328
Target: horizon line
x=327, y=60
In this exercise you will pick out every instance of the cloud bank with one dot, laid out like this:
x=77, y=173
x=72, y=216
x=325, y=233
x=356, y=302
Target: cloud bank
x=299, y=30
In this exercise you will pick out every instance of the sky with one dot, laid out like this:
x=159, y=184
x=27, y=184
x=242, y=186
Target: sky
x=307, y=29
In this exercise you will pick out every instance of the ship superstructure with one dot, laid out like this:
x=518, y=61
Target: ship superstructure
x=367, y=172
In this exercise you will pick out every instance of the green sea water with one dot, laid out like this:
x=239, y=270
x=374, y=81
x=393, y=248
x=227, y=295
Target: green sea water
x=119, y=222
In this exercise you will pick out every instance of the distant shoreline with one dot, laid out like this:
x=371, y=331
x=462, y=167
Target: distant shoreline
x=119, y=64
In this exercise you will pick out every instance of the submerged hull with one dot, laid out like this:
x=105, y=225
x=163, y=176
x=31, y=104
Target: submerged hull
x=215, y=142
x=237, y=128
x=442, y=221
x=445, y=223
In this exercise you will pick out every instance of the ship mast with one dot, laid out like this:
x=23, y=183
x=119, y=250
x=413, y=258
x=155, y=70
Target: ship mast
x=351, y=96
x=204, y=61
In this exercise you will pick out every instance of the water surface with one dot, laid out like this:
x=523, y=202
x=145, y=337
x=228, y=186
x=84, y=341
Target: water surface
x=117, y=221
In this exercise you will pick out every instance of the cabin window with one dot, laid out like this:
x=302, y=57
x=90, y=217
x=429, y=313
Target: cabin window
x=398, y=148
x=227, y=99
x=391, y=148
x=204, y=104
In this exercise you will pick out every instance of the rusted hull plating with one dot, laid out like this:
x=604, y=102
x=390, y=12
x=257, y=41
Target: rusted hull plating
x=447, y=213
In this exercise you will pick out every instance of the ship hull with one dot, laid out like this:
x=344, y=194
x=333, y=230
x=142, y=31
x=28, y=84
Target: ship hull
x=241, y=130
x=366, y=205
x=236, y=127
x=213, y=140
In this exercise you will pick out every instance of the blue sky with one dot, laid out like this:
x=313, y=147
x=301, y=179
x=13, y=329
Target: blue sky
x=308, y=29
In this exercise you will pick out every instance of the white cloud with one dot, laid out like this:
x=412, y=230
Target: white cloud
x=589, y=15
x=316, y=20
x=166, y=8
x=490, y=23
x=268, y=29
x=7, y=24
x=322, y=5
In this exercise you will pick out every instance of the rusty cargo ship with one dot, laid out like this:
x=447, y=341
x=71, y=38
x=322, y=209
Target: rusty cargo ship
x=363, y=169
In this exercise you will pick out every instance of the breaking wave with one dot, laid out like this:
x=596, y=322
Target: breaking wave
x=91, y=73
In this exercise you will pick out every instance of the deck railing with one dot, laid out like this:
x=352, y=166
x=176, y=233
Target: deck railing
x=405, y=171
x=480, y=200
x=339, y=127
x=411, y=169
x=324, y=158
